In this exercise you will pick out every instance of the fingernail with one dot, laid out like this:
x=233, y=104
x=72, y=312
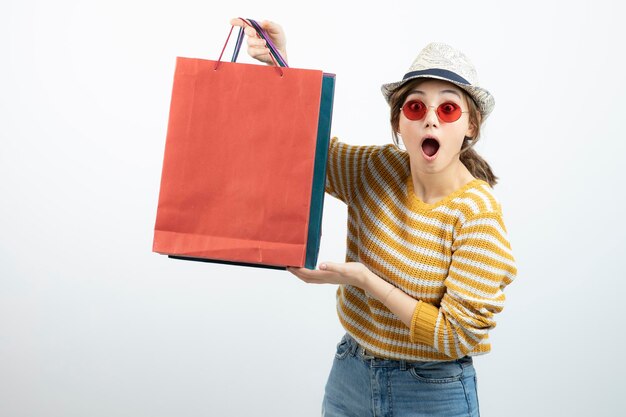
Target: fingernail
x=323, y=266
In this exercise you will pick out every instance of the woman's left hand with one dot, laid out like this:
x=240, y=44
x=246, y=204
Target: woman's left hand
x=351, y=273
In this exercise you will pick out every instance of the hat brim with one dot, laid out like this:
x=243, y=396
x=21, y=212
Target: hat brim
x=483, y=98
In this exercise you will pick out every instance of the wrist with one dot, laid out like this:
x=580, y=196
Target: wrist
x=366, y=281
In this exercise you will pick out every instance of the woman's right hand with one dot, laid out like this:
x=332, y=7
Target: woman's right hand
x=256, y=46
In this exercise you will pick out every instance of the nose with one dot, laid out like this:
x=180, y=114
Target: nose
x=431, y=118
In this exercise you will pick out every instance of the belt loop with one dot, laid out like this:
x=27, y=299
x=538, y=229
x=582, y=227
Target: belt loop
x=362, y=352
x=354, y=346
x=402, y=365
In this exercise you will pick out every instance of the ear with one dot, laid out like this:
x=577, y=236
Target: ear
x=471, y=129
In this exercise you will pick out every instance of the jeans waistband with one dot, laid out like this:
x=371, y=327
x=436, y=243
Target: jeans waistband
x=359, y=351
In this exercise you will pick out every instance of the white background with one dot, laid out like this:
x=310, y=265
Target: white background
x=92, y=323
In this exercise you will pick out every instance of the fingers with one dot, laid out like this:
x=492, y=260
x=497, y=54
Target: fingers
x=248, y=30
x=256, y=42
x=312, y=276
x=235, y=21
x=271, y=27
x=300, y=273
x=257, y=47
x=260, y=53
x=332, y=267
x=277, y=34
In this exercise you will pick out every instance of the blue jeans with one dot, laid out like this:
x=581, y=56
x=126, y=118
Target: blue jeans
x=361, y=385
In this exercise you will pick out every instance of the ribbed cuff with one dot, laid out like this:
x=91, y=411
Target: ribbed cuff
x=423, y=323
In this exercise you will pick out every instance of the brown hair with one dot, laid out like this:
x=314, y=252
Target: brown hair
x=476, y=165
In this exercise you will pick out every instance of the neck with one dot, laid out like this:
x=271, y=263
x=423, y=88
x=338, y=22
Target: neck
x=432, y=187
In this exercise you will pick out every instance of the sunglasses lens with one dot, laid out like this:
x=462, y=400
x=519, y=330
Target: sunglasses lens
x=449, y=112
x=414, y=110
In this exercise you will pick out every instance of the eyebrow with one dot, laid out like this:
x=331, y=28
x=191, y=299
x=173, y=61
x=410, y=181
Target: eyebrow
x=441, y=92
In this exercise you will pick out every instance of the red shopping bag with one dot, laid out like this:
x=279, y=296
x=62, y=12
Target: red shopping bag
x=240, y=153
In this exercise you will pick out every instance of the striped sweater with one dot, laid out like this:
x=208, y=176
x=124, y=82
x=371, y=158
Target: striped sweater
x=453, y=256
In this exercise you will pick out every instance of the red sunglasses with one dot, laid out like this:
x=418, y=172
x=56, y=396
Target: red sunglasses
x=447, y=112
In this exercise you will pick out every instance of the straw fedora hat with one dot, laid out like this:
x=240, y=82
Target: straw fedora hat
x=443, y=62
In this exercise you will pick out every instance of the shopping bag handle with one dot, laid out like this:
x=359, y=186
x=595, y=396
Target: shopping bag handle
x=264, y=35
x=277, y=58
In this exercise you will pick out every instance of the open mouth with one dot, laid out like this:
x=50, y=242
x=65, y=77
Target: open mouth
x=430, y=146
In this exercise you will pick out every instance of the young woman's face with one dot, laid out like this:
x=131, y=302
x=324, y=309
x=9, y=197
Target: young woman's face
x=433, y=144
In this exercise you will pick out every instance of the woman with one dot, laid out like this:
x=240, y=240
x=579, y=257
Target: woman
x=427, y=254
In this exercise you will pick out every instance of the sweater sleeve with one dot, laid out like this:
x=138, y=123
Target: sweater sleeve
x=345, y=167
x=482, y=266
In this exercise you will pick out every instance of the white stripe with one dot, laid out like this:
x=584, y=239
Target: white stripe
x=483, y=197
x=351, y=256
x=489, y=300
x=485, y=237
x=401, y=161
x=330, y=179
x=450, y=310
x=456, y=213
x=489, y=254
x=335, y=175
x=455, y=328
x=453, y=315
x=472, y=334
x=471, y=292
x=467, y=201
x=344, y=174
x=480, y=265
x=446, y=347
x=486, y=222
x=456, y=339
x=356, y=163
x=437, y=329
x=480, y=281
x=465, y=323
x=486, y=188
x=450, y=319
